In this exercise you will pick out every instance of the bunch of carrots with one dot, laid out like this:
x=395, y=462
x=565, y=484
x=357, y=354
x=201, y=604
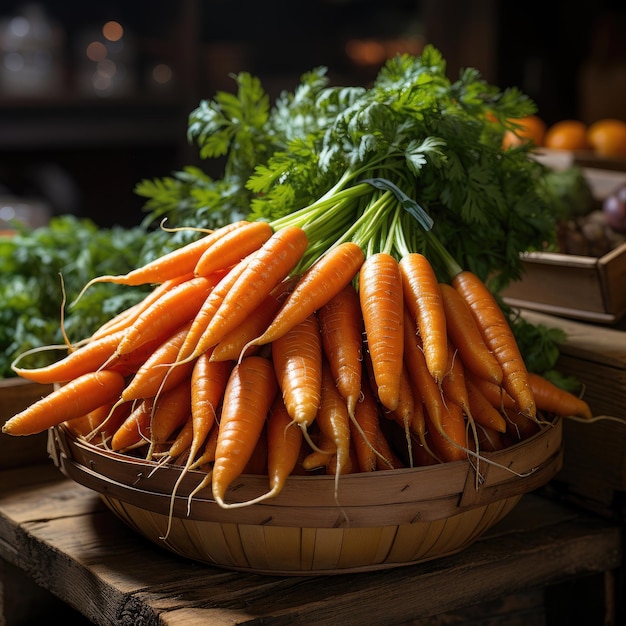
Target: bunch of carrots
x=242, y=359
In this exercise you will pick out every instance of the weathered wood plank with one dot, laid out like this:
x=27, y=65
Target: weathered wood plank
x=61, y=535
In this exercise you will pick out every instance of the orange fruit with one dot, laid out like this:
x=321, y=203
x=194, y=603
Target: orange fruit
x=533, y=129
x=607, y=137
x=567, y=135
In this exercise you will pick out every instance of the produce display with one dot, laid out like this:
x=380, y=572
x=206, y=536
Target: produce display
x=337, y=311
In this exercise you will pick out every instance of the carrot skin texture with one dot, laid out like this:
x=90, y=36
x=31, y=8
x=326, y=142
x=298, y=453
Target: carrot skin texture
x=176, y=307
x=342, y=342
x=284, y=443
x=171, y=410
x=465, y=335
x=553, y=399
x=232, y=247
x=135, y=428
x=248, y=396
x=264, y=270
x=422, y=296
x=171, y=265
x=483, y=412
x=85, y=359
x=75, y=399
x=297, y=358
x=333, y=420
x=441, y=417
x=233, y=345
x=321, y=282
x=499, y=338
x=156, y=374
x=382, y=306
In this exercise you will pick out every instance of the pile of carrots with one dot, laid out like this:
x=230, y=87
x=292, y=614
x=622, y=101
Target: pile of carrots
x=234, y=363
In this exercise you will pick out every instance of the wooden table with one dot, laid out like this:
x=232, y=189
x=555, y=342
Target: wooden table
x=60, y=535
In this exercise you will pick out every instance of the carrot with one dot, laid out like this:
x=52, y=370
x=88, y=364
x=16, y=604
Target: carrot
x=248, y=396
x=191, y=348
x=380, y=293
x=168, y=266
x=284, y=444
x=174, y=308
x=496, y=396
x=465, y=334
x=135, y=429
x=404, y=413
x=483, y=412
x=75, y=399
x=262, y=272
x=170, y=411
x=102, y=421
x=334, y=422
x=366, y=432
x=180, y=446
x=556, y=400
x=87, y=358
x=297, y=358
x=321, y=455
x=232, y=247
x=422, y=297
x=488, y=439
x=448, y=434
x=454, y=384
x=321, y=282
x=126, y=317
x=155, y=374
x=232, y=345
x=519, y=425
x=499, y=338
x=446, y=429
x=342, y=341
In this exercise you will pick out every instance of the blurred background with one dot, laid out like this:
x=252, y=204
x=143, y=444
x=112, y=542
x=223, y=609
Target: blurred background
x=94, y=96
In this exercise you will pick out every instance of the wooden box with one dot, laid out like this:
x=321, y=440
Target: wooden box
x=594, y=454
x=577, y=287
x=15, y=395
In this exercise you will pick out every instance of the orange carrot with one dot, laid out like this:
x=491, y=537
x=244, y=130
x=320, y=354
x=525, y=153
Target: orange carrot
x=264, y=270
x=342, y=340
x=248, y=396
x=79, y=396
x=297, y=358
x=321, y=282
x=454, y=384
x=334, y=422
x=448, y=433
x=380, y=293
x=170, y=411
x=553, y=399
x=499, y=338
x=519, y=425
x=443, y=418
x=404, y=413
x=87, y=358
x=466, y=336
x=496, y=396
x=232, y=346
x=135, y=429
x=422, y=297
x=366, y=432
x=126, y=317
x=232, y=247
x=489, y=440
x=174, y=308
x=483, y=412
x=168, y=266
x=102, y=422
x=284, y=444
x=155, y=374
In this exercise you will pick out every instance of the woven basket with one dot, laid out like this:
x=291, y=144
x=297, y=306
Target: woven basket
x=382, y=519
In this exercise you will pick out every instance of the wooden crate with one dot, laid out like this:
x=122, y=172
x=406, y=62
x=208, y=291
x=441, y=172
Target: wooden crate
x=15, y=395
x=594, y=454
x=571, y=286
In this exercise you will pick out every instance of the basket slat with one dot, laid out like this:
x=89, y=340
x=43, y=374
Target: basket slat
x=381, y=520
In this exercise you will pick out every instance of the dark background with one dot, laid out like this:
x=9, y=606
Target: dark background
x=83, y=153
